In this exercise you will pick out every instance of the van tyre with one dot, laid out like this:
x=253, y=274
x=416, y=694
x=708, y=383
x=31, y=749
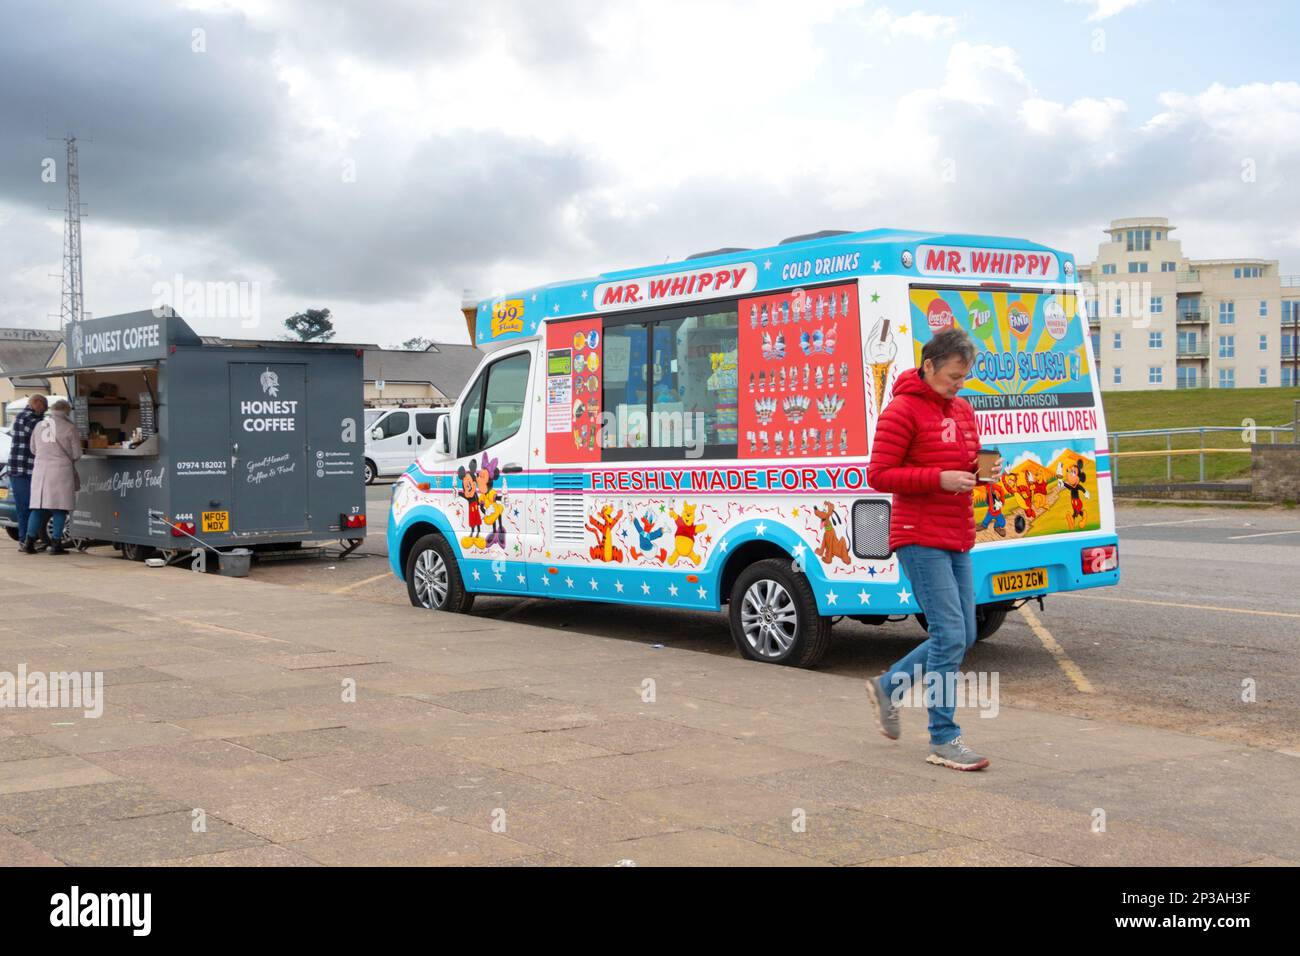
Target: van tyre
x=368, y=472
x=774, y=616
x=138, y=552
x=988, y=618
x=433, y=578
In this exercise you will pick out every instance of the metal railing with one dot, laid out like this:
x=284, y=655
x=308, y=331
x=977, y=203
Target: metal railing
x=1277, y=434
x=1189, y=275
x=1290, y=282
x=1199, y=350
x=1200, y=318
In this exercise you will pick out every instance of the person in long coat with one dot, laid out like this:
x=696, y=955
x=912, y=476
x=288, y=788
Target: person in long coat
x=57, y=446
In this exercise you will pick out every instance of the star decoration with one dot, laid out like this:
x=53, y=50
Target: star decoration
x=875, y=297
x=569, y=582
x=830, y=597
x=522, y=579
x=708, y=539
x=475, y=573
x=864, y=597
x=905, y=596
x=556, y=307
x=767, y=264
x=498, y=574
x=546, y=580
x=871, y=571
x=875, y=266
x=794, y=512
x=645, y=588
x=592, y=582
x=761, y=529
x=584, y=293
x=902, y=330
x=672, y=589
x=702, y=593
x=618, y=586
x=722, y=544
x=799, y=549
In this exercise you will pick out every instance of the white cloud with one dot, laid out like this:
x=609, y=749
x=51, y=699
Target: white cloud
x=915, y=25
x=1104, y=9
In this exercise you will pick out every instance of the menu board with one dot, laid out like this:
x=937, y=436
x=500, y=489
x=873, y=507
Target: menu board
x=81, y=416
x=147, y=426
x=801, y=375
x=574, y=375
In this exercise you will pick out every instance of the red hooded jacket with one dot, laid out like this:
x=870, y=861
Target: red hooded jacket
x=920, y=433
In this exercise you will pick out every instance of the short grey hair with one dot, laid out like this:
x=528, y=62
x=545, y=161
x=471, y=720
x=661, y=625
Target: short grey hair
x=952, y=342
x=60, y=405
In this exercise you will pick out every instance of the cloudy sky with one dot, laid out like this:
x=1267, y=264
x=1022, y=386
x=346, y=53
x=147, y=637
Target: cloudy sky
x=380, y=157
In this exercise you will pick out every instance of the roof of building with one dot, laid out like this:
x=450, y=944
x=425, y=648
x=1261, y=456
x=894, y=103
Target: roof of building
x=444, y=366
x=22, y=349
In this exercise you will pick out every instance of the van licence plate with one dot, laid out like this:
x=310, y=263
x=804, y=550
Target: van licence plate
x=216, y=521
x=1034, y=579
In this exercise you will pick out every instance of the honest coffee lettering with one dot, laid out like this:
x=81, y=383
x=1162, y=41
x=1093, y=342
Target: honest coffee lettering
x=122, y=340
x=269, y=416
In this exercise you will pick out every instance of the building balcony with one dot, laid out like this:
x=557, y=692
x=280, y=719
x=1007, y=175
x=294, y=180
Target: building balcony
x=1187, y=317
x=1199, y=350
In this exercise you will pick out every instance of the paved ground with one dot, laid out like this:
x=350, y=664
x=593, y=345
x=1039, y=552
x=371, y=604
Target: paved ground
x=226, y=738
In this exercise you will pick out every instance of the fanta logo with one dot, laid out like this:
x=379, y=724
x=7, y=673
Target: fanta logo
x=507, y=317
x=939, y=315
x=1018, y=319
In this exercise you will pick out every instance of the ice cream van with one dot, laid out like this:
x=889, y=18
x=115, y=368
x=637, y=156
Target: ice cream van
x=696, y=435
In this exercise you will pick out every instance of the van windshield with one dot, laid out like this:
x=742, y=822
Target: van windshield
x=372, y=416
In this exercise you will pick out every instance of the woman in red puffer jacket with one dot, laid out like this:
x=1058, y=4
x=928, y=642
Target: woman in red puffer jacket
x=926, y=455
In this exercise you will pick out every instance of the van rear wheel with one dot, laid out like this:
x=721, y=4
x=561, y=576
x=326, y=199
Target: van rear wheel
x=368, y=472
x=774, y=616
x=988, y=618
x=433, y=579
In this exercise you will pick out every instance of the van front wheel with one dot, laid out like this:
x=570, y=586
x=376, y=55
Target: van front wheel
x=433, y=580
x=774, y=616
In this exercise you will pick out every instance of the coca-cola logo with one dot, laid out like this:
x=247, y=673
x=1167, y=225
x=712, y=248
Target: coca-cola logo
x=939, y=315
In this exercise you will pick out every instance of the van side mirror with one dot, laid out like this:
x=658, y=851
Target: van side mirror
x=442, y=437
x=376, y=434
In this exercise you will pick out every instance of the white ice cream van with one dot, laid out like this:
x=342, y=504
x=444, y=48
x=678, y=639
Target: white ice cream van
x=696, y=435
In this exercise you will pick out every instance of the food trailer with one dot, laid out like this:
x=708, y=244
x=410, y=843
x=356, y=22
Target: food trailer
x=240, y=446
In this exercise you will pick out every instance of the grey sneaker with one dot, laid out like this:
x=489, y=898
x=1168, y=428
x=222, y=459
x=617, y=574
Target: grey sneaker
x=884, y=710
x=956, y=755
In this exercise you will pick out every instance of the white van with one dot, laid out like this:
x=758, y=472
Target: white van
x=697, y=434
x=395, y=437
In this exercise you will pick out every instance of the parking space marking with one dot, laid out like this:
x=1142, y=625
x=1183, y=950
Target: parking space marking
x=1071, y=669
x=360, y=584
x=1261, y=534
x=1196, y=607
x=1161, y=524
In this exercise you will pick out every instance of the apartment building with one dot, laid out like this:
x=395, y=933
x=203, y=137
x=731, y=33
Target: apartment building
x=1161, y=320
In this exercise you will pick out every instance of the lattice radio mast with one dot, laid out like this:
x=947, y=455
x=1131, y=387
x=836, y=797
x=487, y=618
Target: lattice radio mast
x=73, y=302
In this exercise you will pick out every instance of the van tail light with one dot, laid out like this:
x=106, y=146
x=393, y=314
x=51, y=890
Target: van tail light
x=1099, y=559
x=181, y=528
x=353, y=521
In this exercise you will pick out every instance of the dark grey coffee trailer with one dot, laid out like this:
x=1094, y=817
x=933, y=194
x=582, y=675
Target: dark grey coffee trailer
x=240, y=446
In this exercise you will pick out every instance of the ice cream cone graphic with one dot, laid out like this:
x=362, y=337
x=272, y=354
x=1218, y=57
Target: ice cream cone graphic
x=881, y=352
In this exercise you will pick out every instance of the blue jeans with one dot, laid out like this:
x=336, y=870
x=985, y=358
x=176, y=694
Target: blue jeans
x=36, y=523
x=945, y=590
x=21, y=487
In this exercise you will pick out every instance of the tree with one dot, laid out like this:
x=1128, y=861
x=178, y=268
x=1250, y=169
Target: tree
x=417, y=344
x=312, y=325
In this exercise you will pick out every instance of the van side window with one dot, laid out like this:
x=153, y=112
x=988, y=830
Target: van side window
x=494, y=405
x=394, y=424
x=671, y=384
x=426, y=423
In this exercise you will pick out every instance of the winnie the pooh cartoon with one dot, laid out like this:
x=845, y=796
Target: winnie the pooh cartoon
x=684, y=537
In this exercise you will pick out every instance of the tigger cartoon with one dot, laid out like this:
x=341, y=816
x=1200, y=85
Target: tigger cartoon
x=684, y=537
x=832, y=546
x=1072, y=479
x=602, y=525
